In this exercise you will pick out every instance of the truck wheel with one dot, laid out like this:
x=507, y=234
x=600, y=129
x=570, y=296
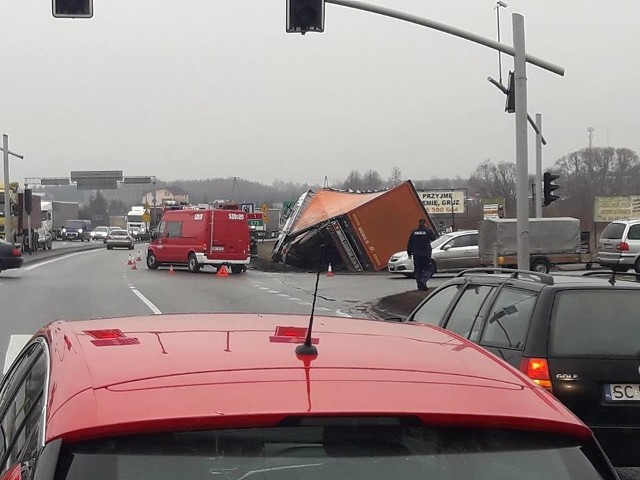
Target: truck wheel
x=193, y=264
x=152, y=261
x=588, y=265
x=237, y=268
x=540, y=265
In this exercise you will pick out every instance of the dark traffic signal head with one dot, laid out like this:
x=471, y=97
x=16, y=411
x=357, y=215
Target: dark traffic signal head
x=548, y=189
x=28, y=200
x=72, y=8
x=510, y=106
x=305, y=16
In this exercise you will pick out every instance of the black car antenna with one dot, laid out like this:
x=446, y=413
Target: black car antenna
x=308, y=348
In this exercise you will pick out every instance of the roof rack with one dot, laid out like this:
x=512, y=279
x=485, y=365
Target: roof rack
x=513, y=273
x=610, y=272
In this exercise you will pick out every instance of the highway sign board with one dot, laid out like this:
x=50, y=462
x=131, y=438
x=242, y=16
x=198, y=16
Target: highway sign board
x=137, y=180
x=96, y=174
x=54, y=181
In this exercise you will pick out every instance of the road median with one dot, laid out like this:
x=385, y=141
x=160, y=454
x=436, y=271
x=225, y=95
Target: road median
x=57, y=252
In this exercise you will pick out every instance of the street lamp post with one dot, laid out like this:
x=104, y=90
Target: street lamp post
x=7, y=198
x=499, y=5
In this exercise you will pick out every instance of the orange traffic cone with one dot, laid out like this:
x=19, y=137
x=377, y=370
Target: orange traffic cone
x=222, y=271
x=133, y=266
x=171, y=271
x=330, y=271
x=138, y=258
x=130, y=261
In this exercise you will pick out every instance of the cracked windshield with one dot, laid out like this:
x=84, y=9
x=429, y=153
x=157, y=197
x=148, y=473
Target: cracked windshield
x=319, y=239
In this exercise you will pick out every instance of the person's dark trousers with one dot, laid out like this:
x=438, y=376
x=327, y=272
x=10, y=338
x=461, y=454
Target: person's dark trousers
x=421, y=270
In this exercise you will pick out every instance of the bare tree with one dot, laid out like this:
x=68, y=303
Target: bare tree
x=353, y=181
x=396, y=176
x=371, y=180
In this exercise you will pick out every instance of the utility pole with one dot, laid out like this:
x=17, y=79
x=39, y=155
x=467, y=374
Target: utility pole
x=153, y=216
x=538, y=195
x=7, y=197
x=522, y=161
x=591, y=130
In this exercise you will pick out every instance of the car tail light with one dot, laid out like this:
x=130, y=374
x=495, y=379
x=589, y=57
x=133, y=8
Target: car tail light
x=623, y=247
x=16, y=252
x=537, y=369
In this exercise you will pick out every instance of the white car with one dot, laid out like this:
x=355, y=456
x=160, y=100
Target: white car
x=452, y=251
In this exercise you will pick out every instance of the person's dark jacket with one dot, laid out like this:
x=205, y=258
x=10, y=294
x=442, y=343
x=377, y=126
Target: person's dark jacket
x=420, y=242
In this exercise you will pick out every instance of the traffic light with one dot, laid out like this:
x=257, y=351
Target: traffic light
x=28, y=201
x=548, y=189
x=500, y=211
x=510, y=106
x=305, y=16
x=72, y=8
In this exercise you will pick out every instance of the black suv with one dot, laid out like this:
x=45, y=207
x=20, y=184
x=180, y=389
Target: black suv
x=576, y=336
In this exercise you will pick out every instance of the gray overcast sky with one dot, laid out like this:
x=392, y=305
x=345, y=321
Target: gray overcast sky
x=207, y=88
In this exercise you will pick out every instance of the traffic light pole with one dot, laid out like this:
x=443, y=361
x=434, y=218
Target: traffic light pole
x=520, y=60
x=522, y=162
x=442, y=27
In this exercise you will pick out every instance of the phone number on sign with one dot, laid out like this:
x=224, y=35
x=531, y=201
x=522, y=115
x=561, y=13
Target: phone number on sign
x=444, y=210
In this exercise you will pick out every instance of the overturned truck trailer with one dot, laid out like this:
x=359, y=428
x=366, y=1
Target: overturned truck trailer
x=360, y=231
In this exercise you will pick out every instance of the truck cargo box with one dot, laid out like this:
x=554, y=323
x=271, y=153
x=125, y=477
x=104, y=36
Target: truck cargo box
x=546, y=236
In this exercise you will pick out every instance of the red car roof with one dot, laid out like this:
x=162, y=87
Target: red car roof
x=176, y=372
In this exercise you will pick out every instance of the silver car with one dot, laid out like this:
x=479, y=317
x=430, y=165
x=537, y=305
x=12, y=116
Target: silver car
x=452, y=251
x=119, y=238
x=619, y=246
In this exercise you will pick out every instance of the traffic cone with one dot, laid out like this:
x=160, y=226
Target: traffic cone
x=222, y=271
x=171, y=271
x=138, y=258
x=330, y=271
x=130, y=261
x=133, y=266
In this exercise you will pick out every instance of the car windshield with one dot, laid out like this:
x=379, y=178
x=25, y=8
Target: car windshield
x=441, y=240
x=613, y=231
x=75, y=224
x=596, y=323
x=101, y=229
x=332, y=453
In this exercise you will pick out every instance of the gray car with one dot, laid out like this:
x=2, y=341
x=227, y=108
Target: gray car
x=452, y=251
x=119, y=238
x=619, y=246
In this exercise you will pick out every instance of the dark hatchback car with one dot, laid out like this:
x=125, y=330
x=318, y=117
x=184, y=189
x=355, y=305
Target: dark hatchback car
x=578, y=337
x=10, y=256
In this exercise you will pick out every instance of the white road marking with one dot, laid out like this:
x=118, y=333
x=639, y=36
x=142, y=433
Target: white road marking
x=293, y=299
x=145, y=300
x=57, y=259
x=323, y=308
x=263, y=288
x=282, y=295
x=340, y=313
x=16, y=343
x=273, y=291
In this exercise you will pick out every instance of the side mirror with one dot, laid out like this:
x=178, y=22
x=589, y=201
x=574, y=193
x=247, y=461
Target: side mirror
x=446, y=247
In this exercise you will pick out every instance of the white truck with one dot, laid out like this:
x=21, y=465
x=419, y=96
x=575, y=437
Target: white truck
x=136, y=225
x=55, y=214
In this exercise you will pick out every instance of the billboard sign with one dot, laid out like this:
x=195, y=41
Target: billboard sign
x=444, y=202
x=608, y=209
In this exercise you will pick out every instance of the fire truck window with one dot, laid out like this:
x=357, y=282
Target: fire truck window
x=173, y=229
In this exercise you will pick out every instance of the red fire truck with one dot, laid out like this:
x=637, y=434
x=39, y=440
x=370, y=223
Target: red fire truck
x=198, y=237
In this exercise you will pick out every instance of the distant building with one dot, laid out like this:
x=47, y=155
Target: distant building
x=166, y=195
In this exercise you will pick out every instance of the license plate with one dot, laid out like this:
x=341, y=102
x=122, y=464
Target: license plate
x=608, y=247
x=622, y=392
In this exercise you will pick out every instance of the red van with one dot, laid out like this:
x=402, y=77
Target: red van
x=198, y=237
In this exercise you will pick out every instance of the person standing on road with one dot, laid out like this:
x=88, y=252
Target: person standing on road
x=419, y=247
